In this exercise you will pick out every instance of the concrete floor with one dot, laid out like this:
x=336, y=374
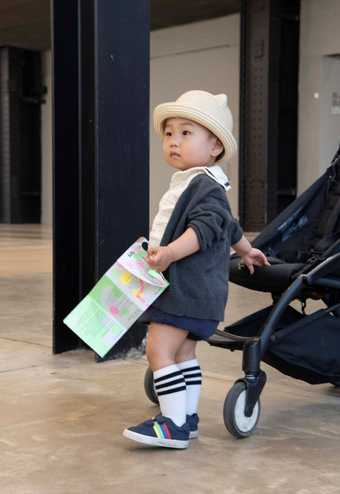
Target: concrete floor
x=62, y=416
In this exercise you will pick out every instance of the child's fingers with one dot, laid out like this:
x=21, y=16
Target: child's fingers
x=151, y=257
x=157, y=266
x=155, y=259
x=152, y=251
x=250, y=266
x=265, y=261
x=262, y=259
x=150, y=260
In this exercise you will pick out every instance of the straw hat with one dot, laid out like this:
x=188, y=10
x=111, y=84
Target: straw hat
x=209, y=110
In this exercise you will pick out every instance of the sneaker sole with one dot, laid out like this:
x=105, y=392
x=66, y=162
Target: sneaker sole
x=193, y=435
x=155, y=441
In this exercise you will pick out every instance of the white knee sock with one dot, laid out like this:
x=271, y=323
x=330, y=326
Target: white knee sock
x=193, y=379
x=171, y=391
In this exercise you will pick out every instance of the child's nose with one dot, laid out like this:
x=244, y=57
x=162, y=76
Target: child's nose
x=174, y=141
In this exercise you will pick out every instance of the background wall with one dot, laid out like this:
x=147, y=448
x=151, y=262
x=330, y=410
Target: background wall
x=202, y=55
x=46, y=143
x=205, y=55
x=319, y=88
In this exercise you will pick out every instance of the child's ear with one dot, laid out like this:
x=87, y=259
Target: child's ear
x=217, y=148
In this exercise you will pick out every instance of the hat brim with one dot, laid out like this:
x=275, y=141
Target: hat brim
x=171, y=110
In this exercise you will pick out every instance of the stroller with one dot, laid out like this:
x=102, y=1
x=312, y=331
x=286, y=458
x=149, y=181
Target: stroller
x=303, y=248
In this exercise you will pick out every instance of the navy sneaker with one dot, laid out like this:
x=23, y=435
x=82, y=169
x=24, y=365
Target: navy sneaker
x=160, y=431
x=192, y=421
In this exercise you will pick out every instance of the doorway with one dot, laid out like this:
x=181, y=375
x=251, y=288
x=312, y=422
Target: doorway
x=20, y=164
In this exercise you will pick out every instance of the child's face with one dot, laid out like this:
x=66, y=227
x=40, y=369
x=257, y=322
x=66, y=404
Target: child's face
x=187, y=144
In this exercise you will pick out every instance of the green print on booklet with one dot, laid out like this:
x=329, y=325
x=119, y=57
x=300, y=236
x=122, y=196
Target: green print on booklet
x=117, y=300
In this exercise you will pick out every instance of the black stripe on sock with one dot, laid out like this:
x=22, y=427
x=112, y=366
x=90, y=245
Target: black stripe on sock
x=188, y=369
x=193, y=374
x=170, y=391
x=173, y=374
x=191, y=383
x=171, y=383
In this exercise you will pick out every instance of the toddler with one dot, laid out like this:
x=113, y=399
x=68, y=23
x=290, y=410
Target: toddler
x=190, y=242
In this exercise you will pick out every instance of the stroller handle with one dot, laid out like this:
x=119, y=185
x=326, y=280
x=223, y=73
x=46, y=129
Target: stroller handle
x=314, y=277
x=325, y=268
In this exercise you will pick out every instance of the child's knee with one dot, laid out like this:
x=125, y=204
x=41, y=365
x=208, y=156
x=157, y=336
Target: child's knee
x=165, y=338
x=162, y=344
x=187, y=351
x=156, y=354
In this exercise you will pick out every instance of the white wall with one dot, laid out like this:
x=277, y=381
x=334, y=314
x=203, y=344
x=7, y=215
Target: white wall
x=319, y=124
x=203, y=55
x=46, y=143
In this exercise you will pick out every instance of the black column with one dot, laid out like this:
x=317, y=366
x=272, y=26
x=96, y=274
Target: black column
x=122, y=134
x=66, y=244
x=268, y=109
x=20, y=140
x=111, y=177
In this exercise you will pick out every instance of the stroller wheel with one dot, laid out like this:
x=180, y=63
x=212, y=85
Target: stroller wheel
x=149, y=387
x=234, y=417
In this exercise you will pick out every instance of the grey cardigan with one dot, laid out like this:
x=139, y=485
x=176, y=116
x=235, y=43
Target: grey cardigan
x=199, y=282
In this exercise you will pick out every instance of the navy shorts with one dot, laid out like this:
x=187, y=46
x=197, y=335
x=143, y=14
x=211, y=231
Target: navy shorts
x=199, y=329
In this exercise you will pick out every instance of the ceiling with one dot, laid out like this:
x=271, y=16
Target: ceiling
x=26, y=23
x=166, y=13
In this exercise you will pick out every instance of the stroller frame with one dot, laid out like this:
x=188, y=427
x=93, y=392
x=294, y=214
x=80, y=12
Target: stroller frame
x=254, y=348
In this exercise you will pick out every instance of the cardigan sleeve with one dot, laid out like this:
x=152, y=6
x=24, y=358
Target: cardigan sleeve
x=236, y=232
x=211, y=218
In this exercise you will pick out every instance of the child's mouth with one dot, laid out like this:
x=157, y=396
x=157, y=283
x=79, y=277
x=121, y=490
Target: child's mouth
x=175, y=155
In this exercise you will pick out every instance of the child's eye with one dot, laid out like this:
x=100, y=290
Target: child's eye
x=168, y=133
x=186, y=132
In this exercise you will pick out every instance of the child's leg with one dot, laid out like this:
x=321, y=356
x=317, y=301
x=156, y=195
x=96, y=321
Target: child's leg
x=163, y=343
x=188, y=364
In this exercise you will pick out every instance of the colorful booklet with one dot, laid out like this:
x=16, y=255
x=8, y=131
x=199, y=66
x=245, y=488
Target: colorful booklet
x=117, y=300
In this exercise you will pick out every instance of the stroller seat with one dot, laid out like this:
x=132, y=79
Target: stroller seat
x=301, y=237
x=231, y=341
x=274, y=278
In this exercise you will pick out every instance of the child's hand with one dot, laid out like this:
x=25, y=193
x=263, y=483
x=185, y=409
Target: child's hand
x=159, y=258
x=254, y=257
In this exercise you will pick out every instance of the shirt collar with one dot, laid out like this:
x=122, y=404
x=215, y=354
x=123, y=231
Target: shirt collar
x=215, y=172
x=218, y=175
